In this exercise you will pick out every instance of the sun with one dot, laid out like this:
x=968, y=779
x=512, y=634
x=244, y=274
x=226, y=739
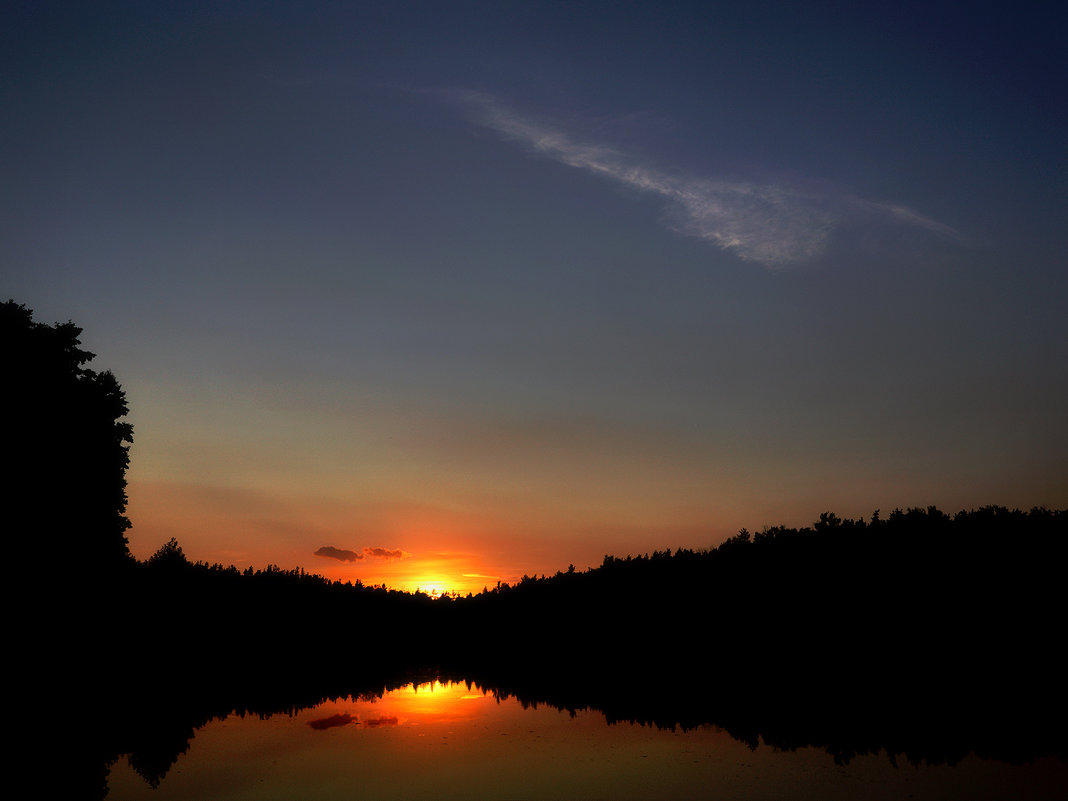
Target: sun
x=434, y=586
x=435, y=574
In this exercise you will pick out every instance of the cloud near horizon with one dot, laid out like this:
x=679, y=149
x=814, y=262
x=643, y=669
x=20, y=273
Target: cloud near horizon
x=343, y=555
x=776, y=226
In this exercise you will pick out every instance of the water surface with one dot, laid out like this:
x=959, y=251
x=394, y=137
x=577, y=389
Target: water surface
x=454, y=741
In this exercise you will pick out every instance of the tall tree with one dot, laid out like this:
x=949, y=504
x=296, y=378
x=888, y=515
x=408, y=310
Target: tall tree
x=66, y=448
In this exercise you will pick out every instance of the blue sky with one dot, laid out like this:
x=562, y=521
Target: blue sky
x=517, y=285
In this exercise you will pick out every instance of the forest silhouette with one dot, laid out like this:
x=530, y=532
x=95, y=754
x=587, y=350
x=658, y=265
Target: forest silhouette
x=920, y=633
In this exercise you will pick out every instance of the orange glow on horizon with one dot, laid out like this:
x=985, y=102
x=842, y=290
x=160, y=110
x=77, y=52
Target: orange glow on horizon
x=435, y=574
x=214, y=525
x=444, y=549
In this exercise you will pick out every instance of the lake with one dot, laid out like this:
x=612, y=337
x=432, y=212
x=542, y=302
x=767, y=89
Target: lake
x=452, y=740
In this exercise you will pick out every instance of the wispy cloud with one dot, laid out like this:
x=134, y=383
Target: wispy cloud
x=773, y=225
x=343, y=555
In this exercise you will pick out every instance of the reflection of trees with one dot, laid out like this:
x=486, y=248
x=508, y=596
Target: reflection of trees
x=911, y=729
x=153, y=732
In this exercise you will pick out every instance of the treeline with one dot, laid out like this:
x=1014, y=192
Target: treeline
x=270, y=623
x=918, y=591
x=918, y=596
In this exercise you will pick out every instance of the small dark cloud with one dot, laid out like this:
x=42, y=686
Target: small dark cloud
x=374, y=723
x=341, y=719
x=344, y=555
x=384, y=553
x=330, y=552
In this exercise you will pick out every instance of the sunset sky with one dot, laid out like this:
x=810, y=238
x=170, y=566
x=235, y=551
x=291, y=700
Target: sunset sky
x=436, y=294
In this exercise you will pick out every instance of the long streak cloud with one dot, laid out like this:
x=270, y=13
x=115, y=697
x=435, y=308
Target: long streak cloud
x=772, y=225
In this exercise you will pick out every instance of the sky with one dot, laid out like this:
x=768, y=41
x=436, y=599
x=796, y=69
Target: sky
x=436, y=295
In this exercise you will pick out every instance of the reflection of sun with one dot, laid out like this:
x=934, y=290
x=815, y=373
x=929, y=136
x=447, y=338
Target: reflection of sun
x=412, y=706
x=427, y=703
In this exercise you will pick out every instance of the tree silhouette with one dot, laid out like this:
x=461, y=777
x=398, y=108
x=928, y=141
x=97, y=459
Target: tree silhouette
x=170, y=556
x=66, y=448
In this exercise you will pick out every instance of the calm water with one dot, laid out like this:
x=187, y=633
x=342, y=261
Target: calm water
x=448, y=741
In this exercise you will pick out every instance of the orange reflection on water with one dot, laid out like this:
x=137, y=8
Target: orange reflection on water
x=452, y=742
x=423, y=704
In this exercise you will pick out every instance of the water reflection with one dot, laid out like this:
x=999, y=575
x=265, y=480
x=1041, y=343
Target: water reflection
x=455, y=740
x=417, y=704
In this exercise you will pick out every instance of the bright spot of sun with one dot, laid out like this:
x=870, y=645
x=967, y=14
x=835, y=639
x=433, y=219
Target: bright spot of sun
x=434, y=586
